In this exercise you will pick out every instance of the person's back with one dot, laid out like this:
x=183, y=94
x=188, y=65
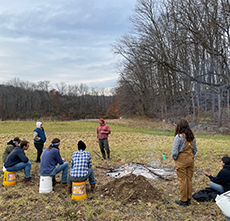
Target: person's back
x=8, y=149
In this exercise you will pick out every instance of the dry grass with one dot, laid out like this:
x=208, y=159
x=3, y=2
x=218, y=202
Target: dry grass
x=141, y=141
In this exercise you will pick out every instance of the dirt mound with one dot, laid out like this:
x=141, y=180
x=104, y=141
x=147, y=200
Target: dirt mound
x=130, y=188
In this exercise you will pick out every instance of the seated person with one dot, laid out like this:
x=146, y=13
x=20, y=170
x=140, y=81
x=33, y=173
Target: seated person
x=8, y=149
x=221, y=183
x=52, y=163
x=81, y=167
x=17, y=160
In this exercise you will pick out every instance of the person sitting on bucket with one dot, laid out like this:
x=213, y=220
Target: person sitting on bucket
x=81, y=167
x=17, y=160
x=52, y=163
x=221, y=183
x=8, y=149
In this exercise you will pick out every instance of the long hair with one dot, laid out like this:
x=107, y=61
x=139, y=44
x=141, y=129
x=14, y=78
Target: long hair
x=183, y=127
x=54, y=144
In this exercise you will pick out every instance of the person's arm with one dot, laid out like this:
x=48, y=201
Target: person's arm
x=194, y=150
x=90, y=161
x=175, y=148
x=35, y=136
x=58, y=157
x=106, y=130
x=23, y=157
x=220, y=178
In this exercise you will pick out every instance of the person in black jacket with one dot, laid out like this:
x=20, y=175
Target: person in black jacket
x=221, y=183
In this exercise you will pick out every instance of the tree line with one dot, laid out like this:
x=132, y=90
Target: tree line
x=25, y=100
x=176, y=60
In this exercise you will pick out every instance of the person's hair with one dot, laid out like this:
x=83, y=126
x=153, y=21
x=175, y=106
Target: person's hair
x=183, y=127
x=55, y=143
x=226, y=160
x=81, y=145
x=24, y=143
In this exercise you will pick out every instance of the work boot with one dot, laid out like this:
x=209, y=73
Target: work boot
x=189, y=202
x=182, y=203
x=93, y=186
x=55, y=181
x=64, y=185
x=108, y=155
x=103, y=154
x=28, y=181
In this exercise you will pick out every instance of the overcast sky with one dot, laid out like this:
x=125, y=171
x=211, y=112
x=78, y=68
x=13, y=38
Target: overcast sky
x=62, y=41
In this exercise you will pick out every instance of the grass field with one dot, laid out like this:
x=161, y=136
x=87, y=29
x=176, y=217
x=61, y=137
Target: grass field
x=140, y=141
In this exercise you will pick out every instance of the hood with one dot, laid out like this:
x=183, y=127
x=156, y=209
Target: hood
x=227, y=167
x=11, y=142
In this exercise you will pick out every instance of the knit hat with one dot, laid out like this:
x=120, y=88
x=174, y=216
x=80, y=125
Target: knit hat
x=226, y=160
x=16, y=139
x=38, y=124
x=81, y=145
x=102, y=120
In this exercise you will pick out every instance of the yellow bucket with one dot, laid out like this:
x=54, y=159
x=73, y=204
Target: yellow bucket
x=78, y=190
x=9, y=178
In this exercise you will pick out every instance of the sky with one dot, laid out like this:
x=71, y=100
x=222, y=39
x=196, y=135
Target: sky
x=62, y=41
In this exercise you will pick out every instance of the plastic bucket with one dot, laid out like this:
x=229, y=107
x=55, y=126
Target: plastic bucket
x=46, y=184
x=78, y=190
x=9, y=178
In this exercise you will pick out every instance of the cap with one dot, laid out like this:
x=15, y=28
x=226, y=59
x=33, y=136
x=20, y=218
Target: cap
x=16, y=139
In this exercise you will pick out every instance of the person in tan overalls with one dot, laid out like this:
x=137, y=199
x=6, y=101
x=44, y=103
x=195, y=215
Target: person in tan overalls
x=183, y=152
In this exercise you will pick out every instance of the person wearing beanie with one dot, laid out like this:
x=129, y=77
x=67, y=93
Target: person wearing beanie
x=221, y=183
x=52, y=163
x=39, y=140
x=81, y=167
x=103, y=132
x=8, y=149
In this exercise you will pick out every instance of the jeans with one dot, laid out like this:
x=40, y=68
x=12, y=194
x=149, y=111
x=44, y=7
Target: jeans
x=90, y=175
x=20, y=166
x=216, y=187
x=64, y=167
x=104, y=145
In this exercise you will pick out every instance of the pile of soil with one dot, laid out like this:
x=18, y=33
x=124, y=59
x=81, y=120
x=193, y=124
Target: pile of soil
x=130, y=188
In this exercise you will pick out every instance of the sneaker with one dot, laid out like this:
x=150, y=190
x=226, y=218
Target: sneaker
x=182, y=203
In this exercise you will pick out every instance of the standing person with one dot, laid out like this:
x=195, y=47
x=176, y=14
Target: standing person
x=183, y=152
x=103, y=132
x=221, y=183
x=17, y=160
x=39, y=140
x=8, y=149
x=81, y=167
x=52, y=163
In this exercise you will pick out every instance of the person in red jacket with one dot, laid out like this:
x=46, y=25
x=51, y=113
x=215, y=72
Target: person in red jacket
x=103, y=132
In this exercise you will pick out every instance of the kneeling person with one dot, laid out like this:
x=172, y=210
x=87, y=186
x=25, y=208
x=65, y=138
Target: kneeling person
x=17, y=160
x=52, y=163
x=81, y=166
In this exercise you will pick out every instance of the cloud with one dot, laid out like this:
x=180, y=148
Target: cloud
x=62, y=41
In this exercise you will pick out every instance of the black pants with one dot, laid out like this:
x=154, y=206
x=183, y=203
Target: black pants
x=39, y=147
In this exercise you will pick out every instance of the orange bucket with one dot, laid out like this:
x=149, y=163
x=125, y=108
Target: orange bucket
x=9, y=178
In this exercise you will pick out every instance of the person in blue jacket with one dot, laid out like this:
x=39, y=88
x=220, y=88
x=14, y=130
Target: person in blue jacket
x=52, y=163
x=221, y=183
x=17, y=160
x=39, y=140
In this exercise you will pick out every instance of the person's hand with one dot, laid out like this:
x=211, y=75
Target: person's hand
x=206, y=173
x=63, y=159
x=97, y=140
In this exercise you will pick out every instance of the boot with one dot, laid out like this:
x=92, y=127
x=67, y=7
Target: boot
x=103, y=154
x=28, y=181
x=64, y=184
x=69, y=186
x=93, y=186
x=189, y=202
x=182, y=203
x=108, y=155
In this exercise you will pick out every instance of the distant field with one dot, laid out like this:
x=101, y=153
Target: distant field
x=141, y=141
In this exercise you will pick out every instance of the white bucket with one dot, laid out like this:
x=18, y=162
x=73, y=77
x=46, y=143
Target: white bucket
x=46, y=184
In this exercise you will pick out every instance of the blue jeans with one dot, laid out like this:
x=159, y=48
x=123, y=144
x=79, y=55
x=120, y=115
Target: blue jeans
x=90, y=175
x=64, y=167
x=21, y=166
x=216, y=187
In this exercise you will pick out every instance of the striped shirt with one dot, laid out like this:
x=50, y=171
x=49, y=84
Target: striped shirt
x=80, y=162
